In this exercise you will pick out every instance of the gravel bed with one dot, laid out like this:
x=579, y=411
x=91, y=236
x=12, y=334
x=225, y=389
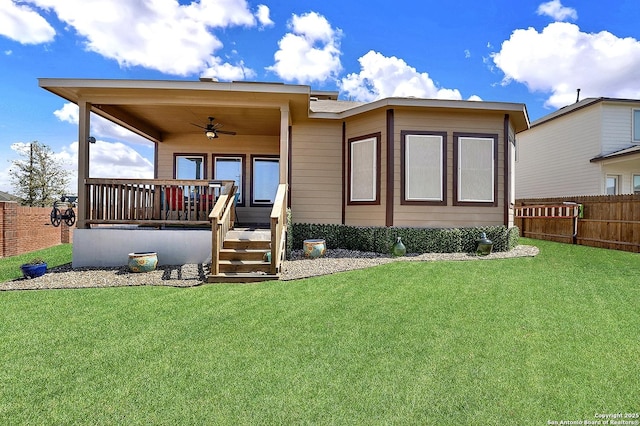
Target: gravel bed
x=194, y=274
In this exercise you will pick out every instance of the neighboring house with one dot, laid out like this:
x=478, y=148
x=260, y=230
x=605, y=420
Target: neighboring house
x=391, y=162
x=5, y=196
x=589, y=148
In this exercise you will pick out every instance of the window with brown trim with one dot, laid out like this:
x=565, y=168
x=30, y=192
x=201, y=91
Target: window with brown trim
x=476, y=169
x=424, y=167
x=189, y=166
x=230, y=167
x=265, y=178
x=364, y=170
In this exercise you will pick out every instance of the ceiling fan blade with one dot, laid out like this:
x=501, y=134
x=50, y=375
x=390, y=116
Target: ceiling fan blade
x=225, y=132
x=197, y=125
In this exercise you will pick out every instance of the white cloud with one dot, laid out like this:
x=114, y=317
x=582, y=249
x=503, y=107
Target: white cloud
x=263, y=16
x=383, y=77
x=310, y=52
x=156, y=34
x=21, y=23
x=111, y=160
x=557, y=11
x=561, y=59
x=100, y=127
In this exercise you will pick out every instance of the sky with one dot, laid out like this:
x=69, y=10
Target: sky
x=533, y=52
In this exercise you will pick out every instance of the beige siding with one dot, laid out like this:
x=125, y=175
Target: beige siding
x=449, y=215
x=369, y=215
x=553, y=158
x=617, y=126
x=316, y=172
x=198, y=144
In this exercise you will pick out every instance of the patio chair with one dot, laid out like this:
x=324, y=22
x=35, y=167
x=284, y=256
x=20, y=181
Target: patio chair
x=175, y=200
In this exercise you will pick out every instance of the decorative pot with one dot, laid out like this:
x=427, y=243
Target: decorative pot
x=314, y=249
x=398, y=249
x=485, y=245
x=33, y=271
x=143, y=261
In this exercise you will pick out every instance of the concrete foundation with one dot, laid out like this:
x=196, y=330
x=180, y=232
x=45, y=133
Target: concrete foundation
x=110, y=247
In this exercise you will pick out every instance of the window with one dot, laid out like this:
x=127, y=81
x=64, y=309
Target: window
x=424, y=168
x=475, y=169
x=611, y=185
x=265, y=178
x=189, y=166
x=636, y=184
x=364, y=163
x=636, y=125
x=230, y=168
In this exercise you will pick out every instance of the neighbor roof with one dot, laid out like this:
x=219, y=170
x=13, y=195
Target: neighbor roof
x=587, y=102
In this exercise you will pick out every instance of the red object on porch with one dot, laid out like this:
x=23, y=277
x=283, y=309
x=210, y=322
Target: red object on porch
x=175, y=199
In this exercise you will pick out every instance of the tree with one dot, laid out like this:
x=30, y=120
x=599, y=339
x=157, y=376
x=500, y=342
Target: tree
x=38, y=177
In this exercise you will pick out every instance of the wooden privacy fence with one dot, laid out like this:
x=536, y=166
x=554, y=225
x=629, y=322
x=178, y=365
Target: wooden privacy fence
x=607, y=221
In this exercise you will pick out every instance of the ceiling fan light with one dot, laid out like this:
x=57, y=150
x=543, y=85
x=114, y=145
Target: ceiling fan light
x=211, y=134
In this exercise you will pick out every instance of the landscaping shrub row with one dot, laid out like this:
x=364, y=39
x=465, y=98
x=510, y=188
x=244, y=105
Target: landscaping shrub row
x=416, y=240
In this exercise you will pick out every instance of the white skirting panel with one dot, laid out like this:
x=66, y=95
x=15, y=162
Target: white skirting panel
x=110, y=247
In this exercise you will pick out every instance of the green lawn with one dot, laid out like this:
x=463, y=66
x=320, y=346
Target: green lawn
x=492, y=342
x=54, y=256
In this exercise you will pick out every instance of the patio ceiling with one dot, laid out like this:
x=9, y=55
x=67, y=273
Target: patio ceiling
x=157, y=109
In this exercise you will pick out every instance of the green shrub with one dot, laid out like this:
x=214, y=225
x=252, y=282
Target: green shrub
x=417, y=240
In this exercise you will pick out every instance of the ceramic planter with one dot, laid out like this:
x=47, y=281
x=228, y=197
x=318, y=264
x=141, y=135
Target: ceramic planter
x=33, y=271
x=143, y=261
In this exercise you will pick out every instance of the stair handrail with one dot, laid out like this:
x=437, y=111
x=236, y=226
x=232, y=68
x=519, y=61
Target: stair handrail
x=278, y=228
x=221, y=221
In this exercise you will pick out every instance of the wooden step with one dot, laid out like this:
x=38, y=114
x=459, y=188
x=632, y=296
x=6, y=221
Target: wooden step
x=244, y=266
x=242, y=254
x=243, y=244
x=235, y=277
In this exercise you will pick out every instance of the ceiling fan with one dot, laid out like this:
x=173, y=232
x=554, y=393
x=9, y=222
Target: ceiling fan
x=212, y=129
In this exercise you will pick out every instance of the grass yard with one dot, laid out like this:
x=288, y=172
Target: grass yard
x=54, y=256
x=516, y=342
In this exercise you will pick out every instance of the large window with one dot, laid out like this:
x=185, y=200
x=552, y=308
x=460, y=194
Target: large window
x=190, y=166
x=475, y=169
x=230, y=167
x=364, y=165
x=265, y=178
x=636, y=125
x=424, y=168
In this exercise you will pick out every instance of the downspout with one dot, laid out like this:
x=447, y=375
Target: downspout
x=507, y=171
x=344, y=172
x=390, y=168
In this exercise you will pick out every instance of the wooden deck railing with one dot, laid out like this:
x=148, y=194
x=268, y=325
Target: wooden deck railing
x=278, y=228
x=152, y=202
x=222, y=217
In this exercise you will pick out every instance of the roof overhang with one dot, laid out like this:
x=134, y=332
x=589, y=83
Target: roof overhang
x=630, y=153
x=517, y=112
x=156, y=108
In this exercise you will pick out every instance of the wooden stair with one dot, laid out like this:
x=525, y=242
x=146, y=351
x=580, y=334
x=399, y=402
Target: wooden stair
x=242, y=257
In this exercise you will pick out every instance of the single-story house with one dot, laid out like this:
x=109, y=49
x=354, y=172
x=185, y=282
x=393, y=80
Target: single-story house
x=591, y=147
x=390, y=162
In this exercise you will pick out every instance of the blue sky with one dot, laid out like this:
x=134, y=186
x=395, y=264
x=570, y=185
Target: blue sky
x=534, y=52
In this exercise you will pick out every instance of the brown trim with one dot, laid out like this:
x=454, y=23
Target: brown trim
x=456, y=137
x=289, y=160
x=344, y=172
x=194, y=154
x=390, y=168
x=507, y=181
x=403, y=168
x=242, y=201
x=377, y=136
x=254, y=156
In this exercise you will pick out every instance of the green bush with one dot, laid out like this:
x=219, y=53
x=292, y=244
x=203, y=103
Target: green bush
x=416, y=240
